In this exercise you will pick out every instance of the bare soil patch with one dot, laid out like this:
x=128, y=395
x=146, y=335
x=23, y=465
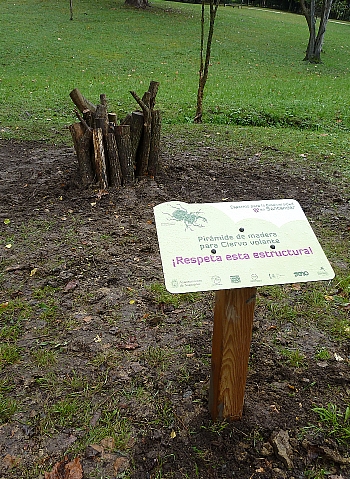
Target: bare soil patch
x=83, y=263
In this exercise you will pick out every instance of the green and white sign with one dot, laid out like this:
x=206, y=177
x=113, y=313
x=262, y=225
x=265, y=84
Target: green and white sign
x=215, y=246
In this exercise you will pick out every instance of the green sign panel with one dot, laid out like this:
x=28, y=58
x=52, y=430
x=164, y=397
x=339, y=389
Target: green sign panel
x=226, y=245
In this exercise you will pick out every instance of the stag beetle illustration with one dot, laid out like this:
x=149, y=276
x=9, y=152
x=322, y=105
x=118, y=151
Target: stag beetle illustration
x=189, y=219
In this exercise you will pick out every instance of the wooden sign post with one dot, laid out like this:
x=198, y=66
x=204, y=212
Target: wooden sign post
x=232, y=332
x=232, y=248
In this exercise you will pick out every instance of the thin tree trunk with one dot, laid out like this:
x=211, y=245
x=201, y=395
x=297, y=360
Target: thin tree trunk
x=204, y=65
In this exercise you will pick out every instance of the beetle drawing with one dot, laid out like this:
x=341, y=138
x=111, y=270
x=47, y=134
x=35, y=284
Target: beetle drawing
x=189, y=219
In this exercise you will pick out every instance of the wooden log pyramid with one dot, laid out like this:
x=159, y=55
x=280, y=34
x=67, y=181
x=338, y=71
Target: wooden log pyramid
x=112, y=154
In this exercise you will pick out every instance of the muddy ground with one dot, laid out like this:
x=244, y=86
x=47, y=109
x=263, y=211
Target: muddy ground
x=95, y=256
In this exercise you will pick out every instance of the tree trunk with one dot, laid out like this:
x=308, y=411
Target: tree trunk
x=314, y=48
x=137, y=3
x=204, y=64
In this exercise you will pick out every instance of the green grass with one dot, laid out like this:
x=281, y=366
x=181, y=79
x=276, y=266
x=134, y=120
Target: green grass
x=333, y=422
x=257, y=76
x=295, y=358
x=162, y=296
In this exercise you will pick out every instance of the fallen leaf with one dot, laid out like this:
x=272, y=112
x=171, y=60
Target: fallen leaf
x=66, y=470
x=7, y=221
x=131, y=345
x=71, y=286
x=33, y=271
x=8, y=246
x=95, y=418
x=93, y=450
x=173, y=434
x=120, y=465
x=10, y=461
x=108, y=443
x=87, y=319
x=338, y=358
x=328, y=298
x=132, y=301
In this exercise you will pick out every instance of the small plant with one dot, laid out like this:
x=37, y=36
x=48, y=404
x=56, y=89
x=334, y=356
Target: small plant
x=68, y=411
x=165, y=414
x=294, y=358
x=156, y=357
x=323, y=354
x=320, y=474
x=44, y=357
x=216, y=427
x=111, y=425
x=332, y=422
x=9, y=353
x=340, y=329
x=8, y=407
x=162, y=296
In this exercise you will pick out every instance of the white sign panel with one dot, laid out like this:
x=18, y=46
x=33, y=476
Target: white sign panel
x=214, y=246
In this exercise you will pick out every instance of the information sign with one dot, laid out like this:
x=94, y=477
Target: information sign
x=214, y=246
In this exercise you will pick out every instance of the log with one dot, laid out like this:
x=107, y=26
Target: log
x=82, y=139
x=112, y=118
x=100, y=159
x=81, y=102
x=101, y=118
x=135, y=120
x=122, y=136
x=153, y=160
x=143, y=153
x=115, y=173
x=233, y=322
x=88, y=117
x=153, y=90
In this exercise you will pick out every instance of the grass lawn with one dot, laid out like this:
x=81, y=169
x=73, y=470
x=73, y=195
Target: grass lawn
x=257, y=77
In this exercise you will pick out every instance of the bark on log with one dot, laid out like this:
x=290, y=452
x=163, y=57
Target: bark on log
x=135, y=120
x=153, y=160
x=153, y=90
x=101, y=118
x=81, y=102
x=122, y=136
x=100, y=159
x=143, y=153
x=115, y=173
x=87, y=115
x=82, y=139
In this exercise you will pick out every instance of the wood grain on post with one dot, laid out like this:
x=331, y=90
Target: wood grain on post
x=233, y=322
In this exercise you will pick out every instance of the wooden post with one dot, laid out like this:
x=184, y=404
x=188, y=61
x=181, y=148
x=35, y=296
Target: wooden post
x=233, y=322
